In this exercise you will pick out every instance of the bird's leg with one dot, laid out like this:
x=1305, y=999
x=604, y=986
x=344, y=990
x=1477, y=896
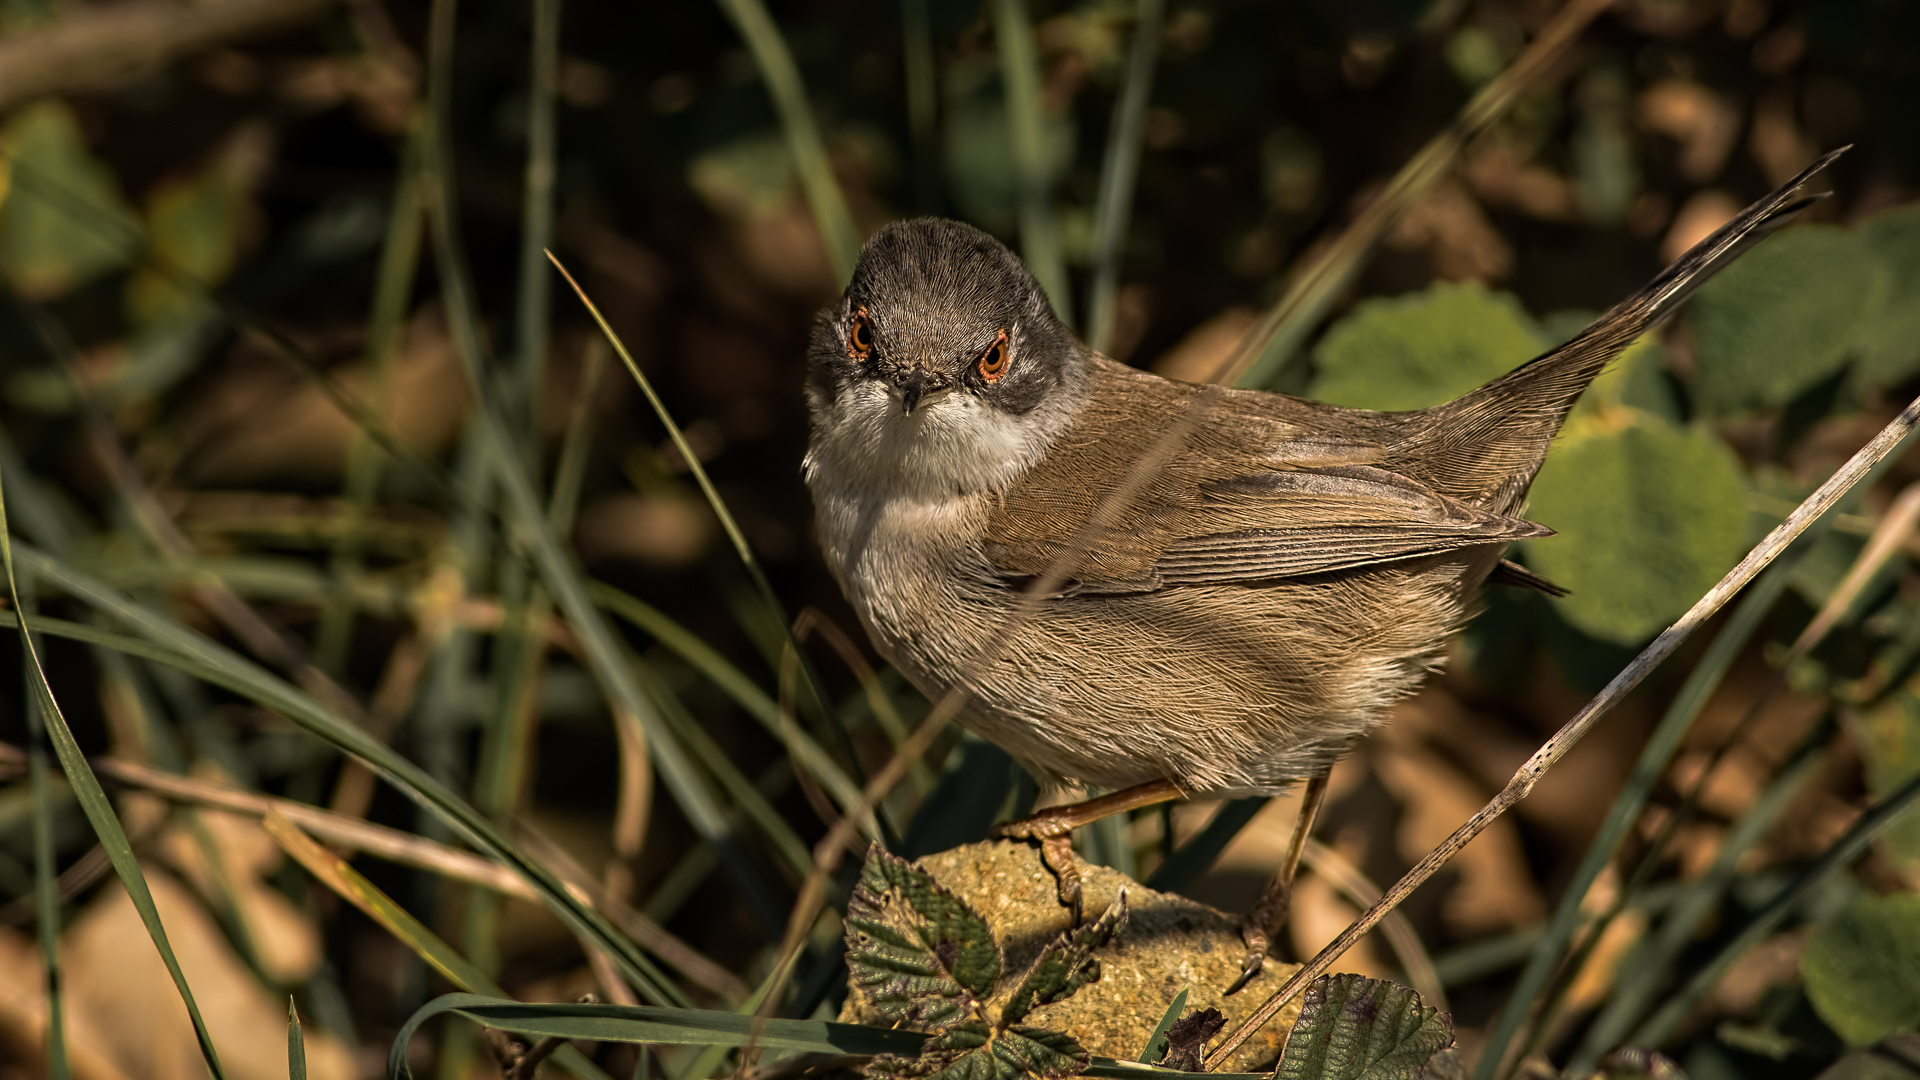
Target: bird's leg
x=1270, y=912
x=1053, y=829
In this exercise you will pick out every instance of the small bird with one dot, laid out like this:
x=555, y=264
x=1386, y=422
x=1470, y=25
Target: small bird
x=1154, y=587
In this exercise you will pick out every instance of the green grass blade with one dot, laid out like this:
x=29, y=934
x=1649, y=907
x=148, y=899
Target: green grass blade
x=804, y=144
x=1020, y=83
x=296, y=1045
x=923, y=93
x=333, y=872
x=700, y=1027
x=93, y=802
x=604, y=652
x=188, y=650
x=734, y=534
x=1880, y=817
x=46, y=894
x=1626, y=808
x=1193, y=858
x=535, y=299
x=392, y=290
x=1641, y=973
x=1114, y=207
x=1156, y=1047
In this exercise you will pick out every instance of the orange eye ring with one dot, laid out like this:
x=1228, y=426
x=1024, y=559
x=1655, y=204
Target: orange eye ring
x=993, y=362
x=860, y=336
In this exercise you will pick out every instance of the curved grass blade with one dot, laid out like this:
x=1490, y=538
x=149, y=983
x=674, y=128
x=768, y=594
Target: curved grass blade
x=809, y=150
x=739, y=539
x=183, y=648
x=1114, y=207
x=333, y=872
x=1020, y=85
x=93, y=802
x=730, y=679
x=601, y=646
x=698, y=1027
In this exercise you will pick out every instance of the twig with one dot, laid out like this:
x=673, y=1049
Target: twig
x=91, y=47
x=1564, y=740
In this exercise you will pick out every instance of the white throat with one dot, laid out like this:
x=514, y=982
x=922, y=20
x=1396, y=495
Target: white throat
x=955, y=446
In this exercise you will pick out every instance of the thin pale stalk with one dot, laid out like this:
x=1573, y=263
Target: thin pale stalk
x=1886, y=538
x=1315, y=286
x=1569, y=735
x=1020, y=87
x=1659, y=749
x=1114, y=207
x=797, y=123
x=1401, y=937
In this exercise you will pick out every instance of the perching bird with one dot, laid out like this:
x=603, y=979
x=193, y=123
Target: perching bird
x=1238, y=584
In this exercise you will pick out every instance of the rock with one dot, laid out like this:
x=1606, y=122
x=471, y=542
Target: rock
x=1168, y=943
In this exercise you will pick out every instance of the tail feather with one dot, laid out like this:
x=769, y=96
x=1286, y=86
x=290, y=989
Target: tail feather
x=1485, y=447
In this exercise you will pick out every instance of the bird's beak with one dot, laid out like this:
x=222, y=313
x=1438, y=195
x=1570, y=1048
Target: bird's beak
x=914, y=391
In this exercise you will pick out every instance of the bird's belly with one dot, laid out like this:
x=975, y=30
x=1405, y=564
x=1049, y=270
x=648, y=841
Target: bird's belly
x=1222, y=689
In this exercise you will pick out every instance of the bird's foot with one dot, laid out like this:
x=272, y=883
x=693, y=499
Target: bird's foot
x=1054, y=833
x=1256, y=929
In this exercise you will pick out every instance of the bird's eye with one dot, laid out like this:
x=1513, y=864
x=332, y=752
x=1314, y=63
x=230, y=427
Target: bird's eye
x=993, y=362
x=860, y=336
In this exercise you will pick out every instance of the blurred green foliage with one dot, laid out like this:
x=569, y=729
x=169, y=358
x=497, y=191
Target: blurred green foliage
x=1863, y=968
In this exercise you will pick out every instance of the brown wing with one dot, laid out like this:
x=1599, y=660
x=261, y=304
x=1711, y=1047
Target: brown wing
x=1266, y=487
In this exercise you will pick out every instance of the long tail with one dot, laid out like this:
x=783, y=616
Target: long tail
x=1485, y=447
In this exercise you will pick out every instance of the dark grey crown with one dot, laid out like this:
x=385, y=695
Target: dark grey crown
x=936, y=293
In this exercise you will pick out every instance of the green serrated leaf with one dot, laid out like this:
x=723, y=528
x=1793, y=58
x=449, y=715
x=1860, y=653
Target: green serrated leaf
x=923, y=956
x=1860, y=968
x=1418, y=350
x=1354, y=1028
x=62, y=218
x=1781, y=319
x=1887, y=340
x=1066, y=964
x=1649, y=515
x=974, y=1051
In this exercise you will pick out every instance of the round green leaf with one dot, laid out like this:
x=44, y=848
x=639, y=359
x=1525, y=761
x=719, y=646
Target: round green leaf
x=1863, y=968
x=62, y=219
x=1413, y=351
x=1781, y=319
x=1888, y=338
x=1649, y=516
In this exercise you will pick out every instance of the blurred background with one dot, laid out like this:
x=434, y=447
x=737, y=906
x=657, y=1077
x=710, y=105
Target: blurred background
x=276, y=328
